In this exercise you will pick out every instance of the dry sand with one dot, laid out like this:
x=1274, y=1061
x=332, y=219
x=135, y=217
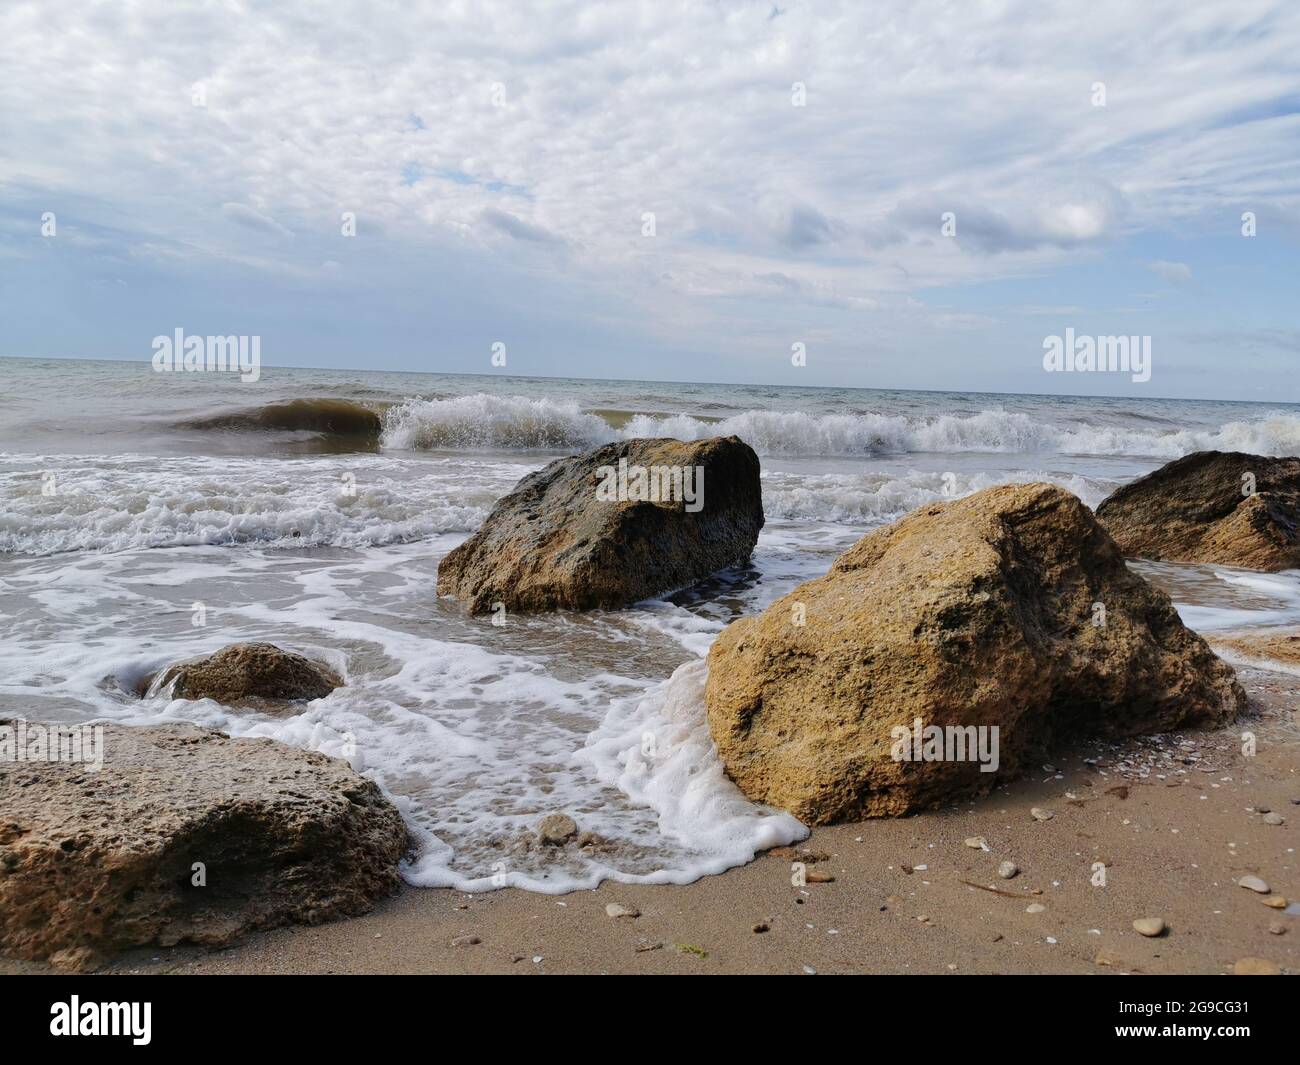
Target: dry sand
x=1176, y=820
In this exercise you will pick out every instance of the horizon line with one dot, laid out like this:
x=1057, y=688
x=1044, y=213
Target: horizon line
x=671, y=381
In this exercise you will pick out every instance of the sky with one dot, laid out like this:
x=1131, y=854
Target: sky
x=915, y=194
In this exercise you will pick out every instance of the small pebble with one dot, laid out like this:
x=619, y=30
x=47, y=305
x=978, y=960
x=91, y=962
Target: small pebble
x=1149, y=926
x=1039, y=814
x=1007, y=870
x=613, y=909
x=1253, y=883
x=1275, y=901
x=1274, y=819
x=762, y=926
x=466, y=941
x=1035, y=907
x=977, y=843
x=1277, y=928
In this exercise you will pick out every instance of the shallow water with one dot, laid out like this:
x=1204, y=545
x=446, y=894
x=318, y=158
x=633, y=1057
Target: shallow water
x=123, y=524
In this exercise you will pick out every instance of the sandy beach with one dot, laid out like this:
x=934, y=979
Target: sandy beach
x=1177, y=821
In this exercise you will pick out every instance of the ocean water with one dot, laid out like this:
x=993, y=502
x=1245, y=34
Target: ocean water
x=147, y=517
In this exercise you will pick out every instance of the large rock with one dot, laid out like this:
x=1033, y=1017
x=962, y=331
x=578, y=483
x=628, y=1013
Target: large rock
x=1010, y=608
x=1219, y=507
x=560, y=541
x=94, y=862
x=246, y=672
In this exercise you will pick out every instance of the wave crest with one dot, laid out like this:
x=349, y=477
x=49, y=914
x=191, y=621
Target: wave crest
x=510, y=423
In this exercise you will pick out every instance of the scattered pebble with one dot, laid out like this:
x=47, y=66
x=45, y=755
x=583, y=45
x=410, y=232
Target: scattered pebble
x=613, y=909
x=977, y=843
x=1007, y=870
x=762, y=926
x=1253, y=883
x=1274, y=819
x=1277, y=928
x=810, y=970
x=466, y=941
x=649, y=946
x=816, y=876
x=1035, y=907
x=1039, y=814
x=1149, y=926
x=1275, y=901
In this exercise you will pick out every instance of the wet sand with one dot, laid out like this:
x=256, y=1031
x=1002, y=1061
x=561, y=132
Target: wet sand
x=1177, y=820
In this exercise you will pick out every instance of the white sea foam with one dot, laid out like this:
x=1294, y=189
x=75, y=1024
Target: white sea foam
x=123, y=502
x=873, y=498
x=484, y=421
x=476, y=732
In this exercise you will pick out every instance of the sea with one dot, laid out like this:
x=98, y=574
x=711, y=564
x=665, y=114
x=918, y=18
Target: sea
x=150, y=517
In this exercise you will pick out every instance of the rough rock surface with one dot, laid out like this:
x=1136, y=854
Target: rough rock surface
x=553, y=543
x=94, y=862
x=977, y=612
x=246, y=671
x=1195, y=510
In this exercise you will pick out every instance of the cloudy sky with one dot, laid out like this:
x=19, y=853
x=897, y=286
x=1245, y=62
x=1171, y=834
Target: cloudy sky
x=503, y=161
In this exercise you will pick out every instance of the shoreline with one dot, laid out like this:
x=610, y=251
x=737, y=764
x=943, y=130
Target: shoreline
x=1173, y=848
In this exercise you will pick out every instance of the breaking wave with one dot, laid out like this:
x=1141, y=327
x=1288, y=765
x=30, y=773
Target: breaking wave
x=509, y=423
x=329, y=417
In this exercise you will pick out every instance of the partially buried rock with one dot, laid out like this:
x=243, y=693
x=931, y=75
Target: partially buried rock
x=1256, y=967
x=609, y=527
x=1007, y=870
x=247, y=671
x=1254, y=883
x=1222, y=507
x=1149, y=926
x=979, y=612
x=186, y=835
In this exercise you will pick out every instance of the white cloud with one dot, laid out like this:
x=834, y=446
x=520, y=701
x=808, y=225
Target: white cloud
x=532, y=132
x=1174, y=273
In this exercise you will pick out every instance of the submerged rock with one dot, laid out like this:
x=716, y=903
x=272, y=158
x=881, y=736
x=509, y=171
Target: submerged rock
x=1266, y=645
x=1220, y=507
x=186, y=835
x=555, y=830
x=581, y=532
x=1011, y=608
x=247, y=671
